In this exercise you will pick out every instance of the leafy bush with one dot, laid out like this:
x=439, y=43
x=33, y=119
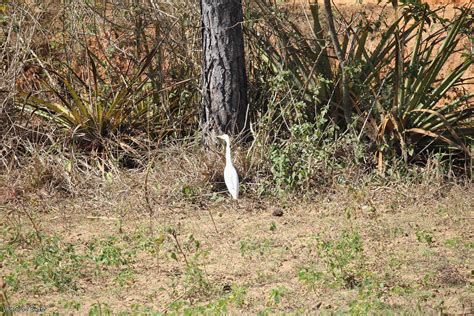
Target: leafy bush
x=312, y=155
x=295, y=161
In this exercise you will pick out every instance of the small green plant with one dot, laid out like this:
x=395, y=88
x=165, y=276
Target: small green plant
x=428, y=280
x=424, y=236
x=57, y=263
x=342, y=259
x=402, y=289
x=276, y=294
x=108, y=252
x=71, y=305
x=369, y=298
x=237, y=296
x=454, y=243
x=218, y=306
x=188, y=192
x=249, y=247
x=273, y=227
x=125, y=277
x=137, y=309
x=310, y=277
x=195, y=277
x=100, y=309
x=8, y=254
x=147, y=242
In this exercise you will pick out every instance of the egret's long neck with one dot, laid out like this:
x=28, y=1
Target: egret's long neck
x=228, y=159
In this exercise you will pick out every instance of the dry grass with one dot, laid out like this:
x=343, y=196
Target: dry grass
x=416, y=238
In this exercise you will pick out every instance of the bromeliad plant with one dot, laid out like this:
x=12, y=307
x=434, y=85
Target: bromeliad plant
x=398, y=89
x=416, y=117
x=94, y=111
x=400, y=96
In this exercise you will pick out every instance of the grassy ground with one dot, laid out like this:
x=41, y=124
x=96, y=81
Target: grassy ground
x=367, y=246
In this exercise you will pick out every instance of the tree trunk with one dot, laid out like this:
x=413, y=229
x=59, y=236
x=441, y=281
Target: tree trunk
x=224, y=82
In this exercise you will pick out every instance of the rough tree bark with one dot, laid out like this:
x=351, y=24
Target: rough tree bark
x=224, y=82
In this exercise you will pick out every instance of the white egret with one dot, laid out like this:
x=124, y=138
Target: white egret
x=231, y=177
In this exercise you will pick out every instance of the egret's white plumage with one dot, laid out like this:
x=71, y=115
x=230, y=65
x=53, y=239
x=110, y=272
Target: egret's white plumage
x=231, y=177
